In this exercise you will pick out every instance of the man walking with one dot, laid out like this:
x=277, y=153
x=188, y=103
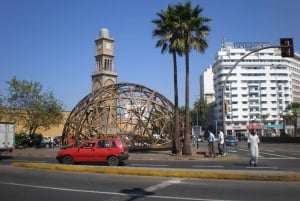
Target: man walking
x=211, y=144
x=253, y=144
x=221, y=145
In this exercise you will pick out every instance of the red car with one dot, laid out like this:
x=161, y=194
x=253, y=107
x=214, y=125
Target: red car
x=110, y=150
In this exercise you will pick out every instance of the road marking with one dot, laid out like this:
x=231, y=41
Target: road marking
x=29, y=161
x=262, y=167
x=274, y=154
x=208, y=166
x=269, y=150
x=288, y=158
x=274, y=158
x=163, y=185
x=151, y=165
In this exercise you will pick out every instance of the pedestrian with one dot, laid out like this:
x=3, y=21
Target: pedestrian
x=221, y=144
x=253, y=146
x=211, y=144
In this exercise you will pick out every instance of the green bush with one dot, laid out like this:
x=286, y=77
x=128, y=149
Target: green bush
x=23, y=140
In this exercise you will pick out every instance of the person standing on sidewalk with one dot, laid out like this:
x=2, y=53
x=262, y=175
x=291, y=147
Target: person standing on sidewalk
x=253, y=144
x=211, y=144
x=221, y=144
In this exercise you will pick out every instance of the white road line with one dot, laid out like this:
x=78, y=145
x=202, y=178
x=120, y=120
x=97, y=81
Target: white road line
x=29, y=161
x=274, y=158
x=149, y=165
x=244, y=150
x=208, y=166
x=274, y=154
x=289, y=158
x=262, y=167
x=163, y=185
x=269, y=150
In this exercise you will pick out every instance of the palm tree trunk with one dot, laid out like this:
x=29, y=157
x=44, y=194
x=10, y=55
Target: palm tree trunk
x=187, y=136
x=177, y=148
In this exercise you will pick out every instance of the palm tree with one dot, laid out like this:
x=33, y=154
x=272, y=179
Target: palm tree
x=294, y=108
x=192, y=32
x=168, y=41
x=200, y=108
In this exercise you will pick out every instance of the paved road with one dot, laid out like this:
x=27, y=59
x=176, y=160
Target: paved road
x=35, y=185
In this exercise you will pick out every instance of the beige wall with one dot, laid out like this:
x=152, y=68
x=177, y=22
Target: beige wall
x=53, y=131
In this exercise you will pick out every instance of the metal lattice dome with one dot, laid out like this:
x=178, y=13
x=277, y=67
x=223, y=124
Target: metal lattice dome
x=143, y=116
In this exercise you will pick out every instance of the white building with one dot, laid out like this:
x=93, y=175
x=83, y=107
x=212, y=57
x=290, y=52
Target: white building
x=207, y=91
x=257, y=90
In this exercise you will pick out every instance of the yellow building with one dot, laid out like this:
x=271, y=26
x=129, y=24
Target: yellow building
x=52, y=132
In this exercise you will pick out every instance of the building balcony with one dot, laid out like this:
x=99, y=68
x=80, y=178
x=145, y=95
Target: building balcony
x=254, y=97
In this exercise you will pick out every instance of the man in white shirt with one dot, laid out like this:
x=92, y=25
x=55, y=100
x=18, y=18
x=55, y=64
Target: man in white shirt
x=253, y=144
x=221, y=145
x=211, y=144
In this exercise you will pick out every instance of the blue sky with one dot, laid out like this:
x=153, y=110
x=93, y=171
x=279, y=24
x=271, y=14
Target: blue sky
x=52, y=41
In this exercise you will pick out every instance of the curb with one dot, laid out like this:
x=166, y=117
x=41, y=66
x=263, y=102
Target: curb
x=228, y=175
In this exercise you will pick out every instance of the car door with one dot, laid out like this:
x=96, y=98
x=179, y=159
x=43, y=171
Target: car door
x=86, y=152
x=103, y=150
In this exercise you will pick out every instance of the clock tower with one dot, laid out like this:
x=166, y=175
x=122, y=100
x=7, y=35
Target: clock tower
x=104, y=73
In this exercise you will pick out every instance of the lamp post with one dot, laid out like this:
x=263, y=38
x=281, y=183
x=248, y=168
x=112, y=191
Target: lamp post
x=216, y=126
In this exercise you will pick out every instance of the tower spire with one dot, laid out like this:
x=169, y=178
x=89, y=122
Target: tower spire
x=104, y=73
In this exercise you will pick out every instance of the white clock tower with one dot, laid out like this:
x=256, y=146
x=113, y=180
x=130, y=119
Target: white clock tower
x=104, y=73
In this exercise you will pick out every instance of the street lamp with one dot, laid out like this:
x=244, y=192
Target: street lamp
x=216, y=126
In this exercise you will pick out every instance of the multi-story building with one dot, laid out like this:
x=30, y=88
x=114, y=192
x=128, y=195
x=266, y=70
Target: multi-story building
x=207, y=91
x=257, y=90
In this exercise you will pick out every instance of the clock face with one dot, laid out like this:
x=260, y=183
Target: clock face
x=99, y=46
x=108, y=45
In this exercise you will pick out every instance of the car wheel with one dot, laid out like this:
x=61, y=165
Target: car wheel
x=68, y=160
x=113, y=161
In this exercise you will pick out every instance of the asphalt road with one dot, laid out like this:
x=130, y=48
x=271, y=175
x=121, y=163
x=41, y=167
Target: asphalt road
x=35, y=185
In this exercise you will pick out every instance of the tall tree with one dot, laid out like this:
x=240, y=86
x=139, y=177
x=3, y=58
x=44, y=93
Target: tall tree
x=1, y=106
x=169, y=42
x=192, y=32
x=294, y=107
x=200, y=106
x=28, y=105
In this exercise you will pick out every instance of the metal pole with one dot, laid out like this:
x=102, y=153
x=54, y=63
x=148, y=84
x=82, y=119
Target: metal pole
x=197, y=117
x=216, y=127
